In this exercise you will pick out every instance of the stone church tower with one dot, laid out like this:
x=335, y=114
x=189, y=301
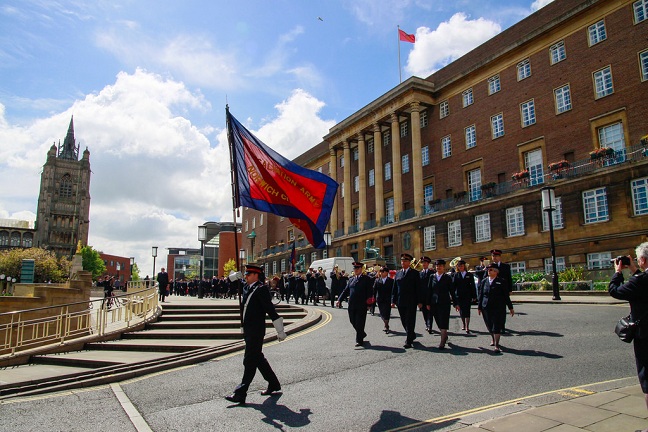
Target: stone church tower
x=62, y=218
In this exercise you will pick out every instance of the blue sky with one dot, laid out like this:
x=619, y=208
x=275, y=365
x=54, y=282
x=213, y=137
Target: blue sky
x=147, y=83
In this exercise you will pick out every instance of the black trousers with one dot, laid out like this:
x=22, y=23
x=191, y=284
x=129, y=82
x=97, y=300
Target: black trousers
x=358, y=317
x=253, y=360
x=408, y=319
x=427, y=317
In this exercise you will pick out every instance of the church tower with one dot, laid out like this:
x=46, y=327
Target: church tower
x=62, y=218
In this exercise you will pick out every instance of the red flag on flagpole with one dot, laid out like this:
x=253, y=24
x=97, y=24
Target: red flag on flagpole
x=406, y=37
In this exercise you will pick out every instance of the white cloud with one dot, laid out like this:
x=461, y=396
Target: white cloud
x=538, y=4
x=452, y=39
x=155, y=174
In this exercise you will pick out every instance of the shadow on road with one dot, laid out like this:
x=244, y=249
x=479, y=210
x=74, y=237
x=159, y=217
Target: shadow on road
x=280, y=416
x=531, y=333
x=394, y=350
x=394, y=419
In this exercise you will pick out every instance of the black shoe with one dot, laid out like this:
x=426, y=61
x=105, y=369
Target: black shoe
x=271, y=389
x=359, y=344
x=407, y=345
x=238, y=398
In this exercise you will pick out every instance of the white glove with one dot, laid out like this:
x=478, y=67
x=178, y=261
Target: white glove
x=278, y=325
x=234, y=276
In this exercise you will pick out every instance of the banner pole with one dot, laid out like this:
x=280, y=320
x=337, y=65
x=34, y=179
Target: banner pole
x=400, y=77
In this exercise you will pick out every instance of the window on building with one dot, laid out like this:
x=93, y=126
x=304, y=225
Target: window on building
x=533, y=163
x=454, y=233
x=370, y=145
x=341, y=161
x=389, y=210
x=253, y=223
x=404, y=129
x=562, y=98
x=482, y=227
x=527, y=111
x=372, y=177
x=28, y=240
x=386, y=138
x=612, y=136
x=444, y=109
x=494, y=84
x=471, y=136
x=356, y=153
x=640, y=10
x=319, y=169
x=558, y=52
x=515, y=221
x=283, y=265
x=518, y=267
x=603, y=82
x=596, y=33
x=4, y=238
x=291, y=234
x=643, y=65
x=342, y=190
x=261, y=219
x=356, y=184
x=474, y=184
x=313, y=257
x=599, y=260
x=387, y=171
x=14, y=241
x=446, y=147
x=428, y=195
x=423, y=119
x=640, y=196
x=425, y=156
x=467, y=97
x=595, y=205
x=557, y=214
x=560, y=264
x=274, y=267
x=356, y=217
x=405, y=163
x=65, y=190
x=497, y=125
x=429, y=238
x=246, y=225
x=523, y=69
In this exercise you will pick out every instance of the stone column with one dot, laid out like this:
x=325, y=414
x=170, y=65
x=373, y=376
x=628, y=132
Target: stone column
x=333, y=226
x=362, y=179
x=396, y=166
x=378, y=173
x=348, y=213
x=417, y=159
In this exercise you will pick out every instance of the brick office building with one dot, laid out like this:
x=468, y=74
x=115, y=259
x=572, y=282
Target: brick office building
x=452, y=165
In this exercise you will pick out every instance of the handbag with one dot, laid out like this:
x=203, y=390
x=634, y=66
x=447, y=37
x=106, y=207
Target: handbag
x=626, y=329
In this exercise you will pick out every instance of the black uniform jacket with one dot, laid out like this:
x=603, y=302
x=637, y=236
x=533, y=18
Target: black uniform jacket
x=383, y=291
x=359, y=290
x=493, y=296
x=256, y=304
x=440, y=292
x=505, y=275
x=465, y=288
x=407, y=288
x=636, y=292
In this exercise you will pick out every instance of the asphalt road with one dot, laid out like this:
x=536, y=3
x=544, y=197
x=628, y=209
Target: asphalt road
x=328, y=384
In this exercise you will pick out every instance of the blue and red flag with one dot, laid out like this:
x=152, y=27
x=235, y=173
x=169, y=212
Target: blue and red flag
x=266, y=181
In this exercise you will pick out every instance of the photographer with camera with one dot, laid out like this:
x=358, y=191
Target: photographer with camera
x=635, y=291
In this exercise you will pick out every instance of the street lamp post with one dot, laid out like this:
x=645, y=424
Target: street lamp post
x=327, y=240
x=202, y=236
x=154, y=255
x=241, y=259
x=549, y=206
x=2, y=283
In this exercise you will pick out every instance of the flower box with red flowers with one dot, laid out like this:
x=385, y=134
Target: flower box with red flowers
x=519, y=176
x=557, y=166
x=601, y=153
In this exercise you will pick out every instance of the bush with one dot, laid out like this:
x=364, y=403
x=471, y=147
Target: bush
x=600, y=286
x=528, y=277
x=572, y=274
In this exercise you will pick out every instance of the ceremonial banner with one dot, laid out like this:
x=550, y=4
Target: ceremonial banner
x=406, y=37
x=266, y=181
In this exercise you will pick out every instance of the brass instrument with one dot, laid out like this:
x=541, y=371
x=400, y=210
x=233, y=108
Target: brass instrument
x=454, y=261
x=417, y=264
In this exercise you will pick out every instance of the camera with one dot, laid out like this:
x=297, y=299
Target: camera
x=622, y=259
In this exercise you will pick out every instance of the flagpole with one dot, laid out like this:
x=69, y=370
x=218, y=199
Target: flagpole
x=235, y=200
x=400, y=78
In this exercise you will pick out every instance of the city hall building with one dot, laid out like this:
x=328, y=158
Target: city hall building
x=454, y=164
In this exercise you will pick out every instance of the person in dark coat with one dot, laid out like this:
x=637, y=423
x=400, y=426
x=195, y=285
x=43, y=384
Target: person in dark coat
x=480, y=270
x=335, y=283
x=492, y=301
x=505, y=274
x=406, y=296
x=425, y=274
x=344, y=280
x=359, y=290
x=300, y=287
x=292, y=287
x=383, y=287
x=440, y=298
x=163, y=281
x=465, y=292
x=636, y=292
x=320, y=279
x=311, y=282
x=256, y=304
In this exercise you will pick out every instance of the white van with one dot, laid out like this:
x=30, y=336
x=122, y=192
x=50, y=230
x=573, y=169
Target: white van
x=327, y=264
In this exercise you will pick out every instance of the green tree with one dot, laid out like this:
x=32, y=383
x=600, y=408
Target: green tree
x=136, y=275
x=92, y=262
x=48, y=266
x=229, y=266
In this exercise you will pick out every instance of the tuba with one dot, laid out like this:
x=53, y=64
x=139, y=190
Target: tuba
x=454, y=262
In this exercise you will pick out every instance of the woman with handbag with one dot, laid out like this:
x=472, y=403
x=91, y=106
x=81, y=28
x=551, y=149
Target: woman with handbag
x=635, y=291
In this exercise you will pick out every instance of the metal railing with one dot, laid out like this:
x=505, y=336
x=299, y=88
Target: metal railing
x=31, y=328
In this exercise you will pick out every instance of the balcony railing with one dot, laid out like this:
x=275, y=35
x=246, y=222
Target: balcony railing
x=406, y=214
x=386, y=220
x=369, y=224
